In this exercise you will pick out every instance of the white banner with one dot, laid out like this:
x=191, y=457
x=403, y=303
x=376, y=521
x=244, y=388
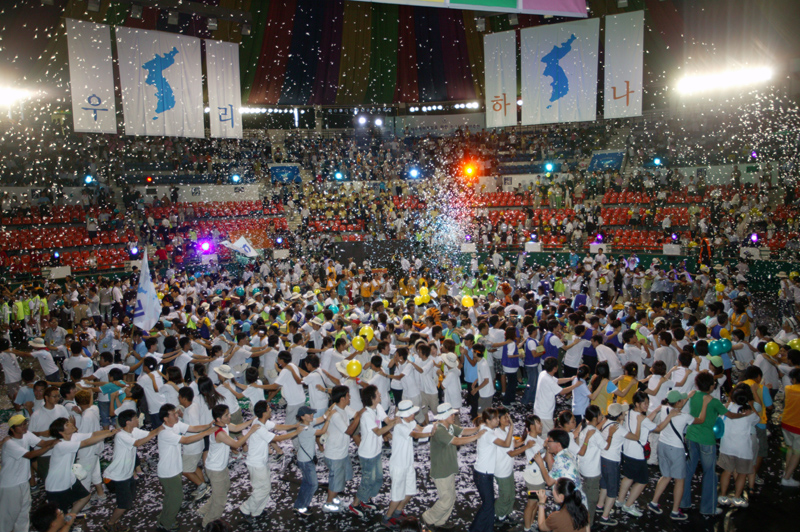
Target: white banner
x=500, y=58
x=91, y=77
x=243, y=246
x=559, y=72
x=162, y=83
x=224, y=90
x=623, y=65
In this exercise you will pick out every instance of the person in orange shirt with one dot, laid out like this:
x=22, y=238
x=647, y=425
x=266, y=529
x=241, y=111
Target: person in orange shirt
x=790, y=423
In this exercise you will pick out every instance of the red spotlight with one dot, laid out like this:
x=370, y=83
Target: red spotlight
x=149, y=179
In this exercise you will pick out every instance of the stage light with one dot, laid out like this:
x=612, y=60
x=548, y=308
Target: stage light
x=414, y=173
x=362, y=120
x=88, y=179
x=236, y=178
x=56, y=255
x=339, y=176
x=378, y=122
x=279, y=240
x=468, y=238
x=519, y=102
x=754, y=154
x=134, y=251
x=754, y=238
x=469, y=170
x=9, y=96
x=657, y=161
x=599, y=237
x=534, y=237
x=149, y=179
x=205, y=246
x=549, y=167
x=724, y=80
x=674, y=237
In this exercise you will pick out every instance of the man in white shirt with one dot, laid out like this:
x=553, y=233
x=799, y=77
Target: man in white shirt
x=291, y=385
x=15, y=472
x=547, y=388
x=340, y=429
x=170, y=466
x=129, y=438
x=40, y=424
x=606, y=354
x=151, y=382
x=483, y=385
x=369, y=450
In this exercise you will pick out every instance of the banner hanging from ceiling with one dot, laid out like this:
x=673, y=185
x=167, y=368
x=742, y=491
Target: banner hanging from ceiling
x=91, y=77
x=624, y=56
x=224, y=90
x=559, y=72
x=500, y=51
x=162, y=83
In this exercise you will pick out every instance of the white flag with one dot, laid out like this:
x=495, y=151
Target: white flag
x=148, y=306
x=243, y=246
x=500, y=53
x=559, y=72
x=224, y=90
x=91, y=77
x=623, y=65
x=162, y=83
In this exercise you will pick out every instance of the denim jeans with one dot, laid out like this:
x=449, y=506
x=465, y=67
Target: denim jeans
x=105, y=413
x=530, y=389
x=484, y=518
x=707, y=456
x=511, y=389
x=309, y=484
x=371, y=478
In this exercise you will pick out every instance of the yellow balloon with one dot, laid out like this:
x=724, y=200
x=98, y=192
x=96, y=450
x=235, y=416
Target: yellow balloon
x=418, y=300
x=354, y=368
x=719, y=287
x=467, y=301
x=385, y=303
x=772, y=349
x=316, y=291
x=426, y=298
x=296, y=289
x=359, y=344
x=367, y=332
x=725, y=334
x=423, y=291
x=161, y=295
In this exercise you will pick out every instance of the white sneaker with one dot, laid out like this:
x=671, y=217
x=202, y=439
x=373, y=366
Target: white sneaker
x=723, y=500
x=632, y=510
x=739, y=502
x=790, y=483
x=329, y=507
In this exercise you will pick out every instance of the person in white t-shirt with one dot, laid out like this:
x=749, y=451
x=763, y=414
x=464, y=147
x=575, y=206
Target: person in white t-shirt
x=62, y=487
x=547, y=388
x=291, y=384
x=15, y=473
x=170, y=466
x=483, y=386
x=672, y=450
x=369, y=450
x=257, y=460
x=192, y=455
x=128, y=438
x=89, y=457
x=217, y=461
x=591, y=443
x=402, y=473
x=736, y=452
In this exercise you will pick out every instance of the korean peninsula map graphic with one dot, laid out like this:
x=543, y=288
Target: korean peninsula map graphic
x=560, y=83
x=155, y=77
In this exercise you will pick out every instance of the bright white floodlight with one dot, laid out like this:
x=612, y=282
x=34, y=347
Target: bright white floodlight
x=724, y=80
x=9, y=95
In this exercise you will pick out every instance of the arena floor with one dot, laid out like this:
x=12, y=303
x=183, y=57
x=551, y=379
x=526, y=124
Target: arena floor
x=772, y=508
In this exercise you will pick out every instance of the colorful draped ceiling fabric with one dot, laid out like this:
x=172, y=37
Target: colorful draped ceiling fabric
x=343, y=52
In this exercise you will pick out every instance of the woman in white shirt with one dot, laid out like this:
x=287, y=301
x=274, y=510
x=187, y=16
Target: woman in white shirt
x=672, y=450
x=483, y=470
x=61, y=485
x=504, y=467
x=635, y=474
x=591, y=442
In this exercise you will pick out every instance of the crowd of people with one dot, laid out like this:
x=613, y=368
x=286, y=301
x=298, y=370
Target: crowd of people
x=583, y=383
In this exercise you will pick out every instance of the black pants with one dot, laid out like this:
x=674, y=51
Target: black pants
x=472, y=401
x=398, y=396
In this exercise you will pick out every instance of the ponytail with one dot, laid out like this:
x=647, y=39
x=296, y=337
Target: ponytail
x=573, y=503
